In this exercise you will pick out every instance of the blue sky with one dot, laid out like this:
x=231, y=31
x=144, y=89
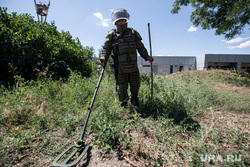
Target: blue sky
x=171, y=34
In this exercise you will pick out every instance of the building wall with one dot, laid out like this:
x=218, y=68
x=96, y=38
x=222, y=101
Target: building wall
x=200, y=62
x=227, y=61
x=168, y=64
x=172, y=64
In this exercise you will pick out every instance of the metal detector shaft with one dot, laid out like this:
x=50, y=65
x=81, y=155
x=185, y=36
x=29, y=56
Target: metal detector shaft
x=80, y=141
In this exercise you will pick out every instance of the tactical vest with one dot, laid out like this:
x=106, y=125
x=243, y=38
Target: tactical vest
x=127, y=55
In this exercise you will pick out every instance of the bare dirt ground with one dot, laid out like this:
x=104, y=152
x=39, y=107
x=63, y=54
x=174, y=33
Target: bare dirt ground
x=114, y=158
x=118, y=156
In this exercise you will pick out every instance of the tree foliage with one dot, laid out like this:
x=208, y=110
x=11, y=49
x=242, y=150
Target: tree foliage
x=227, y=17
x=30, y=49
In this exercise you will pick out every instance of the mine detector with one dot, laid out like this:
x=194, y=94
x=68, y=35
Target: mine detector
x=73, y=154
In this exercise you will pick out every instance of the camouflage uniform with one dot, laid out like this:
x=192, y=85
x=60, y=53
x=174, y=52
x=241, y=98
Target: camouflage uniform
x=129, y=41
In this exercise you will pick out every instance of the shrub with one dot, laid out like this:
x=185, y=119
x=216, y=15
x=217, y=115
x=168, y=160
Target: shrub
x=30, y=49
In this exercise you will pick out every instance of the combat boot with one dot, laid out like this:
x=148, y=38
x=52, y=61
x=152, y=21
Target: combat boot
x=135, y=102
x=124, y=104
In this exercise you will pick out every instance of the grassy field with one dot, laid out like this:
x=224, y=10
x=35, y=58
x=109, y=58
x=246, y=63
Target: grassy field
x=198, y=118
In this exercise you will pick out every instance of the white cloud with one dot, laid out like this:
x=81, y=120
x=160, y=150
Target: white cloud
x=103, y=22
x=239, y=39
x=242, y=45
x=192, y=29
x=98, y=15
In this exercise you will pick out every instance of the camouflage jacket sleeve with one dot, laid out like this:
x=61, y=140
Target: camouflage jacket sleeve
x=140, y=46
x=107, y=47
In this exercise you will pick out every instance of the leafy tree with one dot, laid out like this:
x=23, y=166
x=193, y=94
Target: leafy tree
x=30, y=49
x=227, y=17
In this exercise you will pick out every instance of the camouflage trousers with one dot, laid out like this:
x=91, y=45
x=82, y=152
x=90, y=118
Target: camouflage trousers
x=125, y=79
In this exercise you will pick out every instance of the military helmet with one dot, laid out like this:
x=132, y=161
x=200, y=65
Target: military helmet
x=119, y=14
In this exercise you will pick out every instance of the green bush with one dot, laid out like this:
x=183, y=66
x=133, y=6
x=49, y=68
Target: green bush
x=30, y=49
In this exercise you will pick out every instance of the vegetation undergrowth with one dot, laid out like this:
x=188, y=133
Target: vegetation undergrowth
x=195, y=118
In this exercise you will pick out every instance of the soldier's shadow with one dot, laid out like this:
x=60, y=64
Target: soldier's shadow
x=170, y=110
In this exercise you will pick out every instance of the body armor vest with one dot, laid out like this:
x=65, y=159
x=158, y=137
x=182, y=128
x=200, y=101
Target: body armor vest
x=126, y=50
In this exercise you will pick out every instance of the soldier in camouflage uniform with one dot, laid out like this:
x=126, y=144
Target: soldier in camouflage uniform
x=123, y=42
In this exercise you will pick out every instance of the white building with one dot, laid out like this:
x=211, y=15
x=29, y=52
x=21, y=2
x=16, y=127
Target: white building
x=168, y=64
x=173, y=64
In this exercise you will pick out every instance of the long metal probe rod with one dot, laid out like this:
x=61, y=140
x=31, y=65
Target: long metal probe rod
x=151, y=62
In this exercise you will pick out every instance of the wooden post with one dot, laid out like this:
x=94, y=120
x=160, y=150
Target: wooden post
x=152, y=74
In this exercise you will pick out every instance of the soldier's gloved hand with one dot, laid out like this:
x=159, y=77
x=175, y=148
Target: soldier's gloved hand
x=102, y=62
x=150, y=59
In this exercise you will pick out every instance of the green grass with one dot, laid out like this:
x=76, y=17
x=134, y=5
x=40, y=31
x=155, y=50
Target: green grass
x=192, y=116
